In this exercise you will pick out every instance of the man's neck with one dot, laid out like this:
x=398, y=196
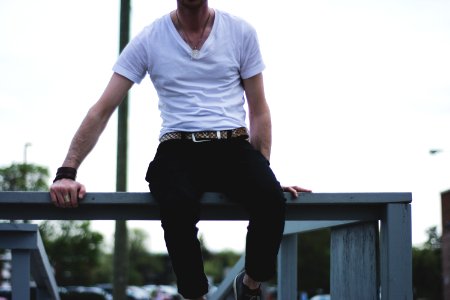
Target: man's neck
x=193, y=18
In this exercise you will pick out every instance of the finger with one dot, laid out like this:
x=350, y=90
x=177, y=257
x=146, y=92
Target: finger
x=290, y=190
x=73, y=198
x=300, y=189
x=293, y=191
x=53, y=197
x=66, y=199
x=58, y=197
x=81, y=191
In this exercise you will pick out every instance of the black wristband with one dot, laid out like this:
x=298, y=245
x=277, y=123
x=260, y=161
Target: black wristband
x=66, y=172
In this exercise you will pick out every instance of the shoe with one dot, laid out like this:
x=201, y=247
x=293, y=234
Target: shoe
x=243, y=292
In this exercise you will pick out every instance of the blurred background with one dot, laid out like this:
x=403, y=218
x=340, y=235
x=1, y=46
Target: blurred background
x=359, y=93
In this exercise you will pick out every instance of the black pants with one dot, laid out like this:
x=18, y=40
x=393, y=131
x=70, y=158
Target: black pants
x=179, y=174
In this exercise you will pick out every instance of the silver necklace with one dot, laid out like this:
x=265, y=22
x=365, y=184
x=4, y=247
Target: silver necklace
x=195, y=48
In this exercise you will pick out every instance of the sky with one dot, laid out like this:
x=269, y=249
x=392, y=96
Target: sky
x=359, y=93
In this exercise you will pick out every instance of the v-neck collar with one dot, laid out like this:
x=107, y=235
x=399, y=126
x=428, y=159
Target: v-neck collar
x=204, y=48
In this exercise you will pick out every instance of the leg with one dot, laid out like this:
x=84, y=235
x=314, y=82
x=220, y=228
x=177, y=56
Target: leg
x=252, y=183
x=265, y=231
x=172, y=185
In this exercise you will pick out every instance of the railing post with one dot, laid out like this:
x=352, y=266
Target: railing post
x=28, y=257
x=396, y=252
x=287, y=268
x=20, y=279
x=354, y=271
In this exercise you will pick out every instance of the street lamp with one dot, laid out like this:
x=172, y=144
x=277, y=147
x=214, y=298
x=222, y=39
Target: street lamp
x=435, y=151
x=25, y=147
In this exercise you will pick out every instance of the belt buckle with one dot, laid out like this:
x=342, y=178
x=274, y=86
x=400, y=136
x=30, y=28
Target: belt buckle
x=198, y=141
x=218, y=137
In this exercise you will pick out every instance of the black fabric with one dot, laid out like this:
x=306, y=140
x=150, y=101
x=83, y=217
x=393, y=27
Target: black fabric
x=182, y=170
x=65, y=172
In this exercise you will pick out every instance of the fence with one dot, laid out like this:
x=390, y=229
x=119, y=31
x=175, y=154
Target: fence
x=370, y=235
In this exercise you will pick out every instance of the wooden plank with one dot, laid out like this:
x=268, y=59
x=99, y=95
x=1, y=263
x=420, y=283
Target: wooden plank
x=212, y=198
x=287, y=268
x=20, y=279
x=354, y=262
x=396, y=253
x=42, y=271
x=392, y=209
x=307, y=226
x=18, y=236
x=141, y=206
x=25, y=238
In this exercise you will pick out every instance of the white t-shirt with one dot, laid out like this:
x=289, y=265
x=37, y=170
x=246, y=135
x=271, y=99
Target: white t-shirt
x=195, y=94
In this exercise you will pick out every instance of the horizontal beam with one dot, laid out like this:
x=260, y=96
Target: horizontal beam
x=296, y=227
x=26, y=239
x=18, y=236
x=215, y=206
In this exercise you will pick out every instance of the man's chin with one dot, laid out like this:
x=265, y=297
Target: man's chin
x=192, y=4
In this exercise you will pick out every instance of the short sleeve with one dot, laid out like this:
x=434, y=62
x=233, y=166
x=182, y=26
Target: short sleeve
x=132, y=61
x=251, y=59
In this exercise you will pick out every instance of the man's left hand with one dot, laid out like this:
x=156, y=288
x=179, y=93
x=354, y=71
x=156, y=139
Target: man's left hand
x=294, y=190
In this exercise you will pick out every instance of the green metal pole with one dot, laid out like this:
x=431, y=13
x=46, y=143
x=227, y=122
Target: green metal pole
x=120, y=276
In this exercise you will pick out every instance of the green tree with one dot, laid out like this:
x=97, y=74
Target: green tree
x=427, y=268
x=144, y=267
x=314, y=261
x=217, y=264
x=74, y=251
x=24, y=177
x=139, y=267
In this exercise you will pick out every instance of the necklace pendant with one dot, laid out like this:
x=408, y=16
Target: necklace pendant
x=195, y=53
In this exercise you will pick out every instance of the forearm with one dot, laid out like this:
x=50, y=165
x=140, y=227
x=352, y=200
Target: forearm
x=96, y=120
x=85, y=138
x=259, y=115
x=261, y=133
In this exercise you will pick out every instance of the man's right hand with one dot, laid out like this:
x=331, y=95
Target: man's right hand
x=67, y=192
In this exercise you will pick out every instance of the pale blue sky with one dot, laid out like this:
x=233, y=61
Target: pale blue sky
x=359, y=93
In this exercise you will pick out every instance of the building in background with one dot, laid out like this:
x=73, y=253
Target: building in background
x=445, y=243
x=5, y=268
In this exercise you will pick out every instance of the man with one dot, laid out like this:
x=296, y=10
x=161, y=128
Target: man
x=202, y=62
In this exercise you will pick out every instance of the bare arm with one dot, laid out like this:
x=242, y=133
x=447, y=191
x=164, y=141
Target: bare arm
x=86, y=137
x=260, y=122
x=259, y=115
x=96, y=120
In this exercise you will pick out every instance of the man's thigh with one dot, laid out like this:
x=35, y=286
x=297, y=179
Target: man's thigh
x=248, y=173
x=171, y=174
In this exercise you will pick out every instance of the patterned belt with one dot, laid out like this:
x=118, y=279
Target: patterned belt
x=204, y=136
